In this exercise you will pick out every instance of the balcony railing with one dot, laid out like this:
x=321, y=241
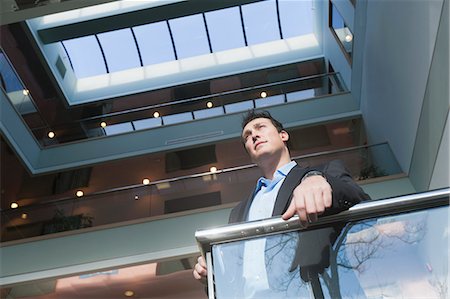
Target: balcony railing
x=184, y=194
x=166, y=109
x=390, y=248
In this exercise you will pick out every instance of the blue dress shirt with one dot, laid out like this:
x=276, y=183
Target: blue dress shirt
x=266, y=193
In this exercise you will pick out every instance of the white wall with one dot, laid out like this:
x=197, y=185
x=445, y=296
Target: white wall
x=399, y=42
x=441, y=177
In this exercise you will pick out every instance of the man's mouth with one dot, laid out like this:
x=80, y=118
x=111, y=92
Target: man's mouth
x=258, y=143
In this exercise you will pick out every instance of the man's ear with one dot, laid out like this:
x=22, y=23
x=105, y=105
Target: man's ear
x=284, y=135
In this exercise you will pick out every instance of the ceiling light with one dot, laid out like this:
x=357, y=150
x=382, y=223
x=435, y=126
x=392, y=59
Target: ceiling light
x=129, y=293
x=213, y=169
x=145, y=181
x=209, y=104
x=263, y=94
x=24, y=216
x=156, y=114
x=102, y=124
x=136, y=197
x=14, y=205
x=348, y=38
x=51, y=134
x=80, y=193
x=25, y=92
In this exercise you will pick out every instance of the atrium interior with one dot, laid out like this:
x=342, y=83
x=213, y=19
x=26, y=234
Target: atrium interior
x=120, y=124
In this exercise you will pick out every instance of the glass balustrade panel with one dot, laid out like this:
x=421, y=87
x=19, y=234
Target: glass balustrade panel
x=400, y=256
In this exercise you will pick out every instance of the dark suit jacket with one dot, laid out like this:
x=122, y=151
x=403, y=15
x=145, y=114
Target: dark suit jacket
x=313, y=250
x=346, y=192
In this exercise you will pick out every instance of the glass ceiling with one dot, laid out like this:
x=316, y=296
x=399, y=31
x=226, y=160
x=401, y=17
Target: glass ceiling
x=102, y=56
x=189, y=36
x=123, y=55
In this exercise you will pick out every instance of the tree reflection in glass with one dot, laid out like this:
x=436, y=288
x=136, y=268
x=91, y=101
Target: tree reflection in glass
x=396, y=256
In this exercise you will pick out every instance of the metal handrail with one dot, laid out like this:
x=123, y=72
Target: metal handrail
x=369, y=209
x=213, y=95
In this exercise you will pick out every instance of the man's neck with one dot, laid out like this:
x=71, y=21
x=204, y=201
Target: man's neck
x=269, y=167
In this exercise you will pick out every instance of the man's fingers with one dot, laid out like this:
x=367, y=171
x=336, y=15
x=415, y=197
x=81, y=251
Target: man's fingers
x=310, y=203
x=200, y=270
x=289, y=212
x=201, y=261
x=196, y=275
x=328, y=198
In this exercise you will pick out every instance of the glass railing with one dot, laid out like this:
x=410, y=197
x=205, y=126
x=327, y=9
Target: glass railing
x=390, y=248
x=164, y=197
x=18, y=94
x=177, y=111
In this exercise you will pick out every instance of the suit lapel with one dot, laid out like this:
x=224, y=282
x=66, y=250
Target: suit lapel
x=285, y=193
x=283, y=198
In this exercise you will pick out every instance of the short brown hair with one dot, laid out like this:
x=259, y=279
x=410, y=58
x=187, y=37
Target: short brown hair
x=252, y=114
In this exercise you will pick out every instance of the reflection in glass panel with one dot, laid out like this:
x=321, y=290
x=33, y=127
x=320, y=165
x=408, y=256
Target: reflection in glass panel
x=205, y=113
x=177, y=118
x=295, y=17
x=270, y=101
x=118, y=128
x=146, y=123
x=9, y=80
x=189, y=35
x=120, y=50
x=85, y=65
x=260, y=22
x=225, y=37
x=342, y=32
x=238, y=107
x=154, y=43
x=18, y=95
x=402, y=256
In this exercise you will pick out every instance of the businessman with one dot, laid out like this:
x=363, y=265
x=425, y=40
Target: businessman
x=286, y=188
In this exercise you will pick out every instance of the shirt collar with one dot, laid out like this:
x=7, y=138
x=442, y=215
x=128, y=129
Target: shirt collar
x=279, y=174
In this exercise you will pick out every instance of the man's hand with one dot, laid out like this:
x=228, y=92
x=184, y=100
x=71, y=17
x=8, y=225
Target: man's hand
x=200, y=270
x=310, y=199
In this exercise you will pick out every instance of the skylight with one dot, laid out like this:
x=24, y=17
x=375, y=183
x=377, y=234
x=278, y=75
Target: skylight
x=208, y=43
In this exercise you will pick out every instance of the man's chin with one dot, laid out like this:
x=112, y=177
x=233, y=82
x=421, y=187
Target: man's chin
x=260, y=155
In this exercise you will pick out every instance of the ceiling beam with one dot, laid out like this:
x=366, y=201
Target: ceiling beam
x=134, y=18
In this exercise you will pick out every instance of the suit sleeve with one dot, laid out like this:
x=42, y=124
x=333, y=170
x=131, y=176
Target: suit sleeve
x=345, y=191
x=235, y=213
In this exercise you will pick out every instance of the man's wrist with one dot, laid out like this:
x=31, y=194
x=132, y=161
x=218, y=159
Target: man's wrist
x=313, y=173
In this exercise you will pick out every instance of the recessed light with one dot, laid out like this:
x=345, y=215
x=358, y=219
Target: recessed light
x=80, y=193
x=103, y=124
x=24, y=216
x=129, y=293
x=136, y=197
x=213, y=169
x=25, y=92
x=51, y=134
x=209, y=104
x=14, y=205
x=156, y=114
x=145, y=181
x=263, y=94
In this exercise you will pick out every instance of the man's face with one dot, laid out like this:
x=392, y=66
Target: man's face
x=261, y=139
